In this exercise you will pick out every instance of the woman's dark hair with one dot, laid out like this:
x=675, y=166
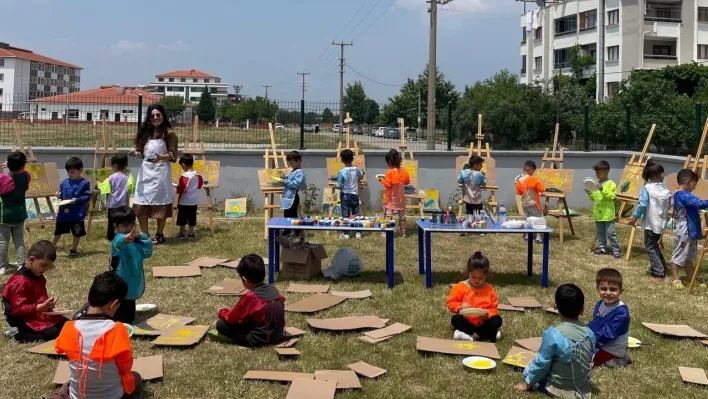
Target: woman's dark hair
x=393, y=158
x=652, y=171
x=478, y=262
x=146, y=129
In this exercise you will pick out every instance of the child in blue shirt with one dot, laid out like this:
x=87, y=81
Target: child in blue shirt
x=70, y=217
x=128, y=251
x=473, y=180
x=687, y=225
x=610, y=321
x=348, y=184
x=562, y=365
x=294, y=182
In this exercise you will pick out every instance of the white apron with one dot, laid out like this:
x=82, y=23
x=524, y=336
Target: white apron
x=154, y=184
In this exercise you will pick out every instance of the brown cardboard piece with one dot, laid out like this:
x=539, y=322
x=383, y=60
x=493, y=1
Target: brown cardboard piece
x=370, y=340
x=524, y=302
x=347, y=323
x=288, y=343
x=157, y=324
x=352, y=294
x=292, y=332
x=206, y=261
x=181, y=336
x=551, y=310
x=312, y=389
x=282, y=376
x=390, y=331
x=230, y=286
x=532, y=344
x=176, y=271
x=149, y=368
x=234, y=263
x=367, y=370
x=45, y=348
x=346, y=379
x=287, y=351
x=503, y=306
x=519, y=357
x=705, y=342
x=675, y=330
x=450, y=347
x=60, y=312
x=308, y=288
x=300, y=262
x=693, y=375
x=314, y=303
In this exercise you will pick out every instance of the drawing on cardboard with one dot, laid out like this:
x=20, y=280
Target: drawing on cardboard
x=631, y=181
x=181, y=336
x=157, y=324
x=560, y=179
x=411, y=166
x=519, y=357
x=235, y=207
x=432, y=199
x=334, y=166
x=209, y=170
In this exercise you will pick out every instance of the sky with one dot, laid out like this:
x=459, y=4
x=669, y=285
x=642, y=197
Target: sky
x=266, y=42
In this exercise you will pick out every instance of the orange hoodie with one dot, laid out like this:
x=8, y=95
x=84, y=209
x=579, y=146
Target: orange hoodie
x=528, y=186
x=395, y=181
x=484, y=298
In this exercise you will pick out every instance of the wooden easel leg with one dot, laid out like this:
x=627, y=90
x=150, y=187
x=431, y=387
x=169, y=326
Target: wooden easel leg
x=567, y=216
x=630, y=243
x=332, y=200
x=696, y=267
x=560, y=229
x=92, y=204
x=211, y=212
x=266, y=212
x=594, y=242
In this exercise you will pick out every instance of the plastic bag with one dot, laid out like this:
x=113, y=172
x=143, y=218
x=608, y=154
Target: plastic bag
x=345, y=262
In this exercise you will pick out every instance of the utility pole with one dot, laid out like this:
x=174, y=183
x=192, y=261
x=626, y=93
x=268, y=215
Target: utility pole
x=601, y=51
x=266, y=87
x=303, y=73
x=341, y=83
x=433, y=69
x=417, y=127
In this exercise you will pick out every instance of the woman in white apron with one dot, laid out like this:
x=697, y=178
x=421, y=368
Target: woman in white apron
x=156, y=144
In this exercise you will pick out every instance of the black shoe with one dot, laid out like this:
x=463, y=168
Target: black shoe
x=158, y=239
x=73, y=253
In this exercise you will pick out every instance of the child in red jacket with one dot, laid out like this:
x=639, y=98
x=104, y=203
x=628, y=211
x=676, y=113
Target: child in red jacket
x=258, y=319
x=25, y=297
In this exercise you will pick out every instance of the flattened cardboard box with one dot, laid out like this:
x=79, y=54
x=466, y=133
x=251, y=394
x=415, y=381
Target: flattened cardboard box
x=157, y=324
x=524, y=302
x=292, y=332
x=181, y=336
x=234, y=263
x=45, y=348
x=367, y=370
x=675, y=330
x=450, y=347
x=532, y=344
x=290, y=352
x=693, y=375
x=352, y=294
x=314, y=303
x=503, y=306
x=283, y=376
x=149, y=368
x=347, y=323
x=304, y=262
x=346, y=379
x=176, y=271
x=312, y=389
x=230, y=286
x=370, y=340
x=288, y=343
x=390, y=331
x=207, y=261
x=308, y=288
x=519, y=357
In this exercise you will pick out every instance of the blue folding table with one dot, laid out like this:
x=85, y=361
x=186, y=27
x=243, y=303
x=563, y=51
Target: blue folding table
x=426, y=227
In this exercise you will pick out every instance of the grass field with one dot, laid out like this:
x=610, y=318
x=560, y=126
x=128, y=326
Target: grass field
x=214, y=370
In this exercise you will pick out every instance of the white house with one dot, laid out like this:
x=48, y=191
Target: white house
x=25, y=75
x=189, y=84
x=116, y=103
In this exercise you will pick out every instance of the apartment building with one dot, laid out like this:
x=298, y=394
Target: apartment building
x=638, y=34
x=189, y=84
x=26, y=75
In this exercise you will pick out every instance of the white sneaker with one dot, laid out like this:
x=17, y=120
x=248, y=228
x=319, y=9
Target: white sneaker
x=498, y=335
x=460, y=336
x=344, y=236
x=3, y=271
x=358, y=235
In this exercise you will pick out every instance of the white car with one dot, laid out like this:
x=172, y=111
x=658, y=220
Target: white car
x=279, y=126
x=379, y=132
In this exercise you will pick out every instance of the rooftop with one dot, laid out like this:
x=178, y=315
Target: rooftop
x=113, y=94
x=186, y=73
x=15, y=52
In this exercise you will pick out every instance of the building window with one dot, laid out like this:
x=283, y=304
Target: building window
x=0, y=92
x=206, y=80
x=566, y=25
x=613, y=53
x=194, y=99
x=2, y=62
x=702, y=14
x=183, y=80
x=160, y=79
x=44, y=109
x=703, y=51
x=195, y=80
x=561, y=58
x=171, y=79
x=73, y=114
x=523, y=64
x=538, y=34
x=612, y=89
x=588, y=20
x=661, y=49
x=662, y=12
x=2, y=77
x=33, y=65
x=589, y=49
x=538, y=63
x=523, y=35
x=218, y=80
x=613, y=17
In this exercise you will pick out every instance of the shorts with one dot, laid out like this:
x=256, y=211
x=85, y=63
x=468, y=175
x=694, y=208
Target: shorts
x=471, y=209
x=685, y=249
x=531, y=210
x=186, y=215
x=77, y=229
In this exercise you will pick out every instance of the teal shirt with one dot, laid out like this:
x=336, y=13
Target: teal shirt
x=603, y=202
x=127, y=261
x=13, y=209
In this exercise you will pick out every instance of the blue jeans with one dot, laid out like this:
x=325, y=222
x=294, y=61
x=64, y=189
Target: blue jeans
x=607, y=230
x=350, y=204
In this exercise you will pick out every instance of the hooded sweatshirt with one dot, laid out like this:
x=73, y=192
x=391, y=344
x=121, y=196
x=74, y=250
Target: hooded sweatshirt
x=264, y=310
x=654, y=199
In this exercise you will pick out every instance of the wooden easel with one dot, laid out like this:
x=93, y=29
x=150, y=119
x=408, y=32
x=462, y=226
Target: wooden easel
x=417, y=200
x=486, y=153
x=104, y=151
x=272, y=162
x=553, y=159
x=332, y=185
x=21, y=145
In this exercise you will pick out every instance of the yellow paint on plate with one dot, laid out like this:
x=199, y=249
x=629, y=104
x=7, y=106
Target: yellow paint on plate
x=633, y=342
x=481, y=364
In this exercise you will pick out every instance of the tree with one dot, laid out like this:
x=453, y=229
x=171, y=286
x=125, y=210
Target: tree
x=258, y=109
x=372, y=112
x=327, y=116
x=355, y=101
x=174, y=105
x=206, y=109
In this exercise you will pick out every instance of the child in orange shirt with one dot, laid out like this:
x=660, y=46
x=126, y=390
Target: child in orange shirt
x=395, y=182
x=475, y=293
x=529, y=187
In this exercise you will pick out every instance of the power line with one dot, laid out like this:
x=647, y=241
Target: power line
x=368, y=78
x=379, y=17
x=362, y=20
x=353, y=16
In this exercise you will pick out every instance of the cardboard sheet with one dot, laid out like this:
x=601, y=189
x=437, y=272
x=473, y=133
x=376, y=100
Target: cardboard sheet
x=308, y=288
x=149, y=368
x=181, y=336
x=287, y=352
x=347, y=323
x=393, y=329
x=551, y=310
x=176, y=271
x=60, y=312
x=503, y=306
x=207, y=261
x=230, y=286
x=45, y=348
x=367, y=370
x=705, y=342
x=312, y=389
x=352, y=294
x=156, y=325
x=282, y=376
x=370, y=340
x=314, y=303
x=293, y=332
x=450, y=347
x=693, y=375
x=532, y=344
x=234, y=263
x=519, y=357
x=524, y=302
x=346, y=379
x=288, y=343
x=675, y=330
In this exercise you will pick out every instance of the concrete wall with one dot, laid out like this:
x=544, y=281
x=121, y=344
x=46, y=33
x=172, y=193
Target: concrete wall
x=436, y=170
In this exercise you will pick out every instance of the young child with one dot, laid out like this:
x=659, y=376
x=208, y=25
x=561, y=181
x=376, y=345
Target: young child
x=70, y=218
x=475, y=293
x=653, y=207
x=562, y=366
x=603, y=210
x=529, y=187
x=187, y=189
x=395, y=182
x=258, y=319
x=610, y=321
x=118, y=186
x=687, y=225
x=294, y=182
x=25, y=297
x=472, y=181
x=348, y=183
x=128, y=251
x=99, y=351
x=13, y=212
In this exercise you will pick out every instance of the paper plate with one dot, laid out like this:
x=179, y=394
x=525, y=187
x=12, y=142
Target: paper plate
x=591, y=184
x=144, y=307
x=473, y=312
x=130, y=328
x=380, y=176
x=634, y=343
x=479, y=363
x=65, y=202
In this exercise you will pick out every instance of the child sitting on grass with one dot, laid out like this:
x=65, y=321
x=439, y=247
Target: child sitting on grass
x=99, y=351
x=562, y=366
x=610, y=321
x=475, y=293
x=26, y=301
x=603, y=210
x=258, y=319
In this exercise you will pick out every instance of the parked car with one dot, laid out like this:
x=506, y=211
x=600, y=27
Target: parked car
x=357, y=130
x=335, y=128
x=379, y=131
x=309, y=128
x=279, y=126
x=392, y=133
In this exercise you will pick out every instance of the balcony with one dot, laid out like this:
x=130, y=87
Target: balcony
x=663, y=12
x=659, y=53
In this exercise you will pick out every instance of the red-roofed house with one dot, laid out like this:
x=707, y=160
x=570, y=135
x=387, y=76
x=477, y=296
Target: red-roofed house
x=188, y=83
x=25, y=75
x=117, y=103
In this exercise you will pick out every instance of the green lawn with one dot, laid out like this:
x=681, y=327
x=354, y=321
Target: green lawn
x=213, y=370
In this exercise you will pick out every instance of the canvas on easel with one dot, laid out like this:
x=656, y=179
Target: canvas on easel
x=270, y=179
x=334, y=165
x=44, y=185
x=488, y=168
x=102, y=168
x=415, y=198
